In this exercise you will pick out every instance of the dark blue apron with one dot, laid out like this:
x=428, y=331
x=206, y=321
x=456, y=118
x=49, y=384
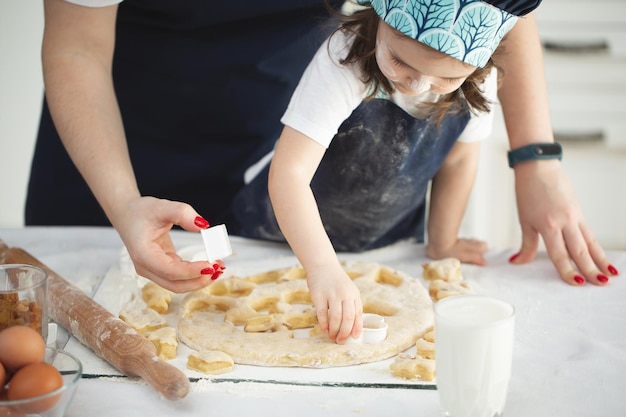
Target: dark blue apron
x=371, y=184
x=201, y=86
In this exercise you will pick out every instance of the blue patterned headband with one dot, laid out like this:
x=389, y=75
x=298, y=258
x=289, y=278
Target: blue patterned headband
x=468, y=30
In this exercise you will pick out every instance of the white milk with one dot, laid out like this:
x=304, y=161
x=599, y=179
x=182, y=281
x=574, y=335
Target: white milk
x=474, y=346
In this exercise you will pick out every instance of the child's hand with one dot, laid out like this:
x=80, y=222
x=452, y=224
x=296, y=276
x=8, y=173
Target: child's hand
x=337, y=302
x=465, y=250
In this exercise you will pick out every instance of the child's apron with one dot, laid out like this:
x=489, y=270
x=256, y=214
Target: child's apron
x=371, y=184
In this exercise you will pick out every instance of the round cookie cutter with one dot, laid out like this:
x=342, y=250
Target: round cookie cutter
x=374, y=330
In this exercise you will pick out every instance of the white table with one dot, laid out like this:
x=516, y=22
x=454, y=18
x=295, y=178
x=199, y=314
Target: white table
x=569, y=359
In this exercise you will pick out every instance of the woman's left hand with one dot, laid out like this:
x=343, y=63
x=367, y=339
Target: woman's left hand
x=548, y=207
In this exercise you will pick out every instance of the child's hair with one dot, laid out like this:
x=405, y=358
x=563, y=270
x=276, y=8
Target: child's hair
x=361, y=26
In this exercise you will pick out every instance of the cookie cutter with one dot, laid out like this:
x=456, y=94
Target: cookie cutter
x=216, y=242
x=374, y=330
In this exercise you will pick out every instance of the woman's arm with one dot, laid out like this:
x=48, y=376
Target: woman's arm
x=546, y=202
x=336, y=299
x=77, y=55
x=523, y=93
x=450, y=191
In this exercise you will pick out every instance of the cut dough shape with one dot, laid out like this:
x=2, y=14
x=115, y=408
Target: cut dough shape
x=425, y=349
x=429, y=336
x=413, y=368
x=447, y=269
x=140, y=317
x=165, y=341
x=440, y=289
x=210, y=362
x=156, y=297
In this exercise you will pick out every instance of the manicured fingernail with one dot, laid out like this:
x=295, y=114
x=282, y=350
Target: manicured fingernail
x=579, y=280
x=603, y=278
x=201, y=223
x=613, y=270
x=207, y=271
x=513, y=258
x=216, y=275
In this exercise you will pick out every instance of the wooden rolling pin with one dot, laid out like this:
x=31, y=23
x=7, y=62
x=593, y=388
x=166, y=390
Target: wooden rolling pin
x=108, y=336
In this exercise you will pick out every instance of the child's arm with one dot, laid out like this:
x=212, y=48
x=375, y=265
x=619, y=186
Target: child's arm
x=449, y=194
x=337, y=300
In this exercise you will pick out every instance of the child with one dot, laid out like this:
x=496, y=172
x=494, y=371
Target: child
x=399, y=96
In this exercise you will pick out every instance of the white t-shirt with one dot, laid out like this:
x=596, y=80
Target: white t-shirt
x=328, y=93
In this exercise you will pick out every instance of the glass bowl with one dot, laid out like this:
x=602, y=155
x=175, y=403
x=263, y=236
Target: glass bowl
x=52, y=404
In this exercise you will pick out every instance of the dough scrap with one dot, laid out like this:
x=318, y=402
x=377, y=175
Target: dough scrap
x=140, y=317
x=413, y=368
x=447, y=269
x=210, y=362
x=440, y=289
x=429, y=336
x=156, y=297
x=165, y=341
x=425, y=349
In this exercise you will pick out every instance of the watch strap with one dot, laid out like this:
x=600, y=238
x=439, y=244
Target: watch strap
x=535, y=151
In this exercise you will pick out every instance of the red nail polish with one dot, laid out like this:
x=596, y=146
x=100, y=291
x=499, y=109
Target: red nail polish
x=207, y=271
x=613, y=270
x=579, y=280
x=603, y=278
x=216, y=275
x=513, y=258
x=201, y=223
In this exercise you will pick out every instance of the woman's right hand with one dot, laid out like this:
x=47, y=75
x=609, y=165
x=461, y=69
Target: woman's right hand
x=144, y=224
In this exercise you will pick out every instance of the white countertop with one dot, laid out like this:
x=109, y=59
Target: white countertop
x=569, y=355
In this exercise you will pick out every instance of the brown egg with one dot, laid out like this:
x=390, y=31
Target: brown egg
x=34, y=380
x=19, y=346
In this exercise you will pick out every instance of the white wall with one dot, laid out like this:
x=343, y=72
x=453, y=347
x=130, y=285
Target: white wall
x=21, y=90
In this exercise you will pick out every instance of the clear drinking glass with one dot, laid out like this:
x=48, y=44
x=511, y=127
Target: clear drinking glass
x=473, y=354
x=24, y=297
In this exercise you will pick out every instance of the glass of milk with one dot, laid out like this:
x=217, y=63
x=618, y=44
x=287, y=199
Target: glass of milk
x=473, y=354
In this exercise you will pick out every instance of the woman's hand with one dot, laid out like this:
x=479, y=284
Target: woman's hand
x=144, y=224
x=465, y=250
x=337, y=303
x=548, y=207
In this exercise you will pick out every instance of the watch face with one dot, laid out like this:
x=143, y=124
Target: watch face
x=548, y=149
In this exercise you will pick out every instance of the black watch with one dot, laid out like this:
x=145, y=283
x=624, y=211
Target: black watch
x=534, y=151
